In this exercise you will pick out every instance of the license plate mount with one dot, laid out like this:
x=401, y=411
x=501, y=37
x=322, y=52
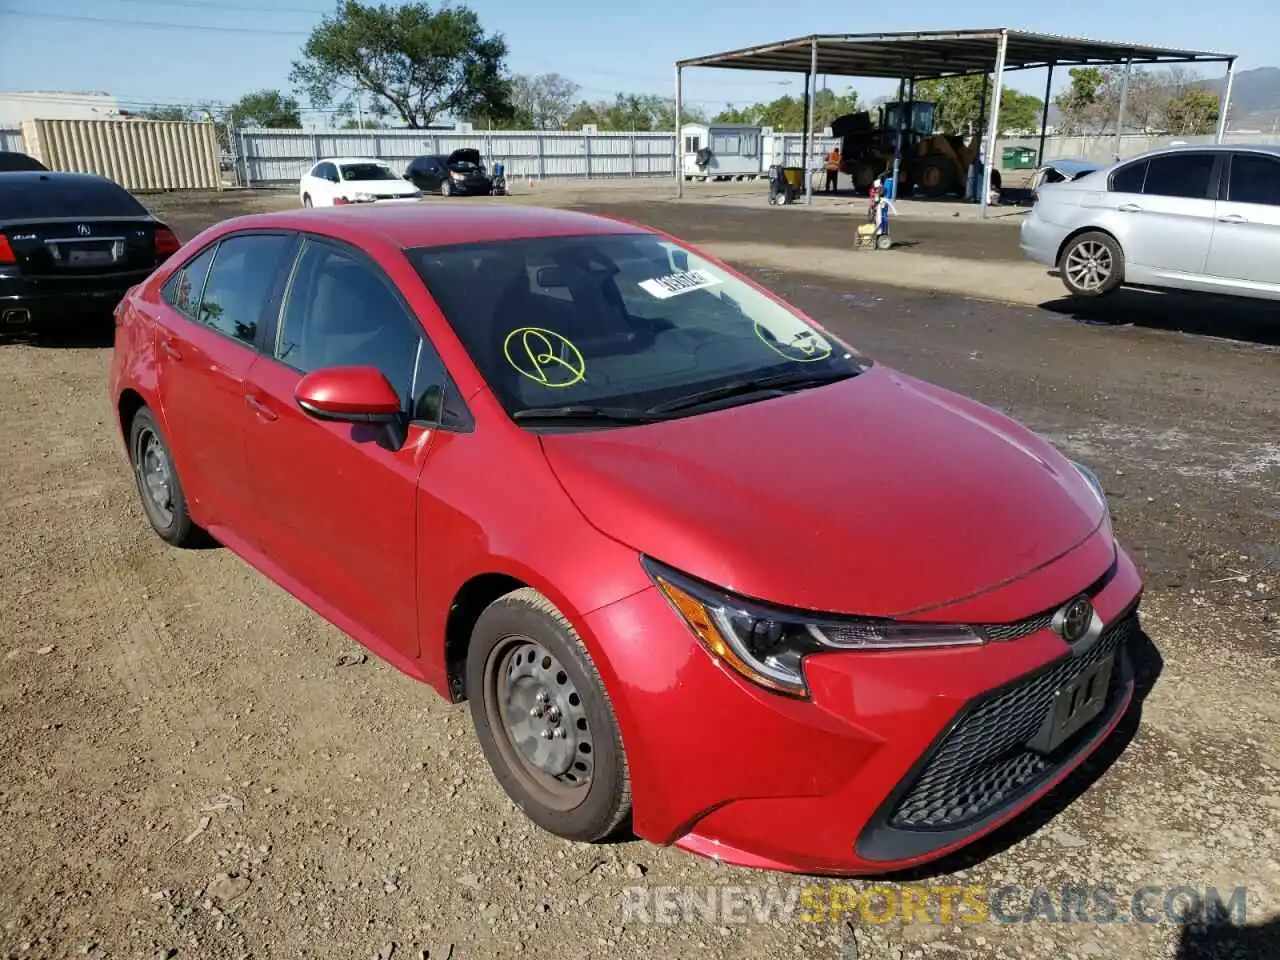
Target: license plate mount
x=1075, y=705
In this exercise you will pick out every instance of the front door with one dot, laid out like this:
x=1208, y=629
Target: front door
x=338, y=504
x=1246, y=235
x=206, y=332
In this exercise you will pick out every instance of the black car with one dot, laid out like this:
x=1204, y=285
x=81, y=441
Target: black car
x=461, y=172
x=71, y=244
x=12, y=161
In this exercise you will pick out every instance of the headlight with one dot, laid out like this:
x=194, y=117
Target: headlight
x=768, y=646
x=1094, y=482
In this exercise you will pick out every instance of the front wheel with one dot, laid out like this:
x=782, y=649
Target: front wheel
x=1091, y=264
x=544, y=719
x=445, y=188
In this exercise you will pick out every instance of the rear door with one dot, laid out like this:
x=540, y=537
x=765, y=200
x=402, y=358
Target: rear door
x=1246, y=236
x=208, y=329
x=1168, y=222
x=338, y=506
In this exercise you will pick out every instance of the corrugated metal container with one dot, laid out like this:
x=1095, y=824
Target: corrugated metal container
x=139, y=155
x=11, y=140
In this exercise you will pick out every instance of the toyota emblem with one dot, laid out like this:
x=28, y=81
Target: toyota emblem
x=82, y=229
x=1075, y=619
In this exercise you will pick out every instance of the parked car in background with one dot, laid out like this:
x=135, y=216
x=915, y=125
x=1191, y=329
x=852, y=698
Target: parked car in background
x=11, y=161
x=461, y=172
x=71, y=244
x=336, y=181
x=1202, y=218
x=503, y=447
x=1063, y=168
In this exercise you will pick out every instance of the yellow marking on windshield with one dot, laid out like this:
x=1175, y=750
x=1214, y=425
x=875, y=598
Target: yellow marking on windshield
x=544, y=356
x=805, y=347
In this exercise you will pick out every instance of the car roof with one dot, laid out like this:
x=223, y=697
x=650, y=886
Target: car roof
x=1267, y=148
x=377, y=160
x=55, y=176
x=433, y=225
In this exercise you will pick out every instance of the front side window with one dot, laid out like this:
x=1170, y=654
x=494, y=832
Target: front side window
x=627, y=322
x=1129, y=179
x=241, y=283
x=341, y=312
x=1254, y=179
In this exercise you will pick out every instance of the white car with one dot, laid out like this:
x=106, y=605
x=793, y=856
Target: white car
x=335, y=181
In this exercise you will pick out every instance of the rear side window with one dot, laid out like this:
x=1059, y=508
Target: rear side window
x=35, y=196
x=1254, y=179
x=183, y=290
x=242, y=281
x=1129, y=179
x=1179, y=175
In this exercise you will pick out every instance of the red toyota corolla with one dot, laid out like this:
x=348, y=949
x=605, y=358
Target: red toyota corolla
x=698, y=566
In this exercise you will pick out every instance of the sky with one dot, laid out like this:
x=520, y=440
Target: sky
x=148, y=52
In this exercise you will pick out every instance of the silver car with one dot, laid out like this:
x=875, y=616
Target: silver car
x=1203, y=218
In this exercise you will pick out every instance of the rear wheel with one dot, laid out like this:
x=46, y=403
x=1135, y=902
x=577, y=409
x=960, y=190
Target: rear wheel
x=544, y=719
x=163, y=500
x=935, y=175
x=1091, y=264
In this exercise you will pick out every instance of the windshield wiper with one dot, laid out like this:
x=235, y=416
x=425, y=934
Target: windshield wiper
x=586, y=411
x=778, y=382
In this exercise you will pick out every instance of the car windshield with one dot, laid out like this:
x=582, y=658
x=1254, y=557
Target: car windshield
x=620, y=322
x=368, y=171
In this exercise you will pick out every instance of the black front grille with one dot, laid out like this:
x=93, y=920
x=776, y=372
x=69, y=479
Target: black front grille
x=984, y=763
x=1016, y=631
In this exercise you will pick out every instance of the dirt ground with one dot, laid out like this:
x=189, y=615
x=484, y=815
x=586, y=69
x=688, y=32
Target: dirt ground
x=195, y=766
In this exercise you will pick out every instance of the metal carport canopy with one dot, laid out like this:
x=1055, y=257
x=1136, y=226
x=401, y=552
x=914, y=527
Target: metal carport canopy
x=927, y=55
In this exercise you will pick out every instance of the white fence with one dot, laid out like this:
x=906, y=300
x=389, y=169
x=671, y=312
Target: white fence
x=264, y=158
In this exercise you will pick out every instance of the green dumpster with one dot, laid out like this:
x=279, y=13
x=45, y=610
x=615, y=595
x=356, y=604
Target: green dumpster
x=1018, y=158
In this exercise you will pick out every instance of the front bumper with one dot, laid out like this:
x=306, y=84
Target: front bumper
x=1039, y=240
x=43, y=299
x=471, y=188
x=899, y=758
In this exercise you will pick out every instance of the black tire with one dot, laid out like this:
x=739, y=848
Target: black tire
x=935, y=176
x=1091, y=265
x=523, y=648
x=446, y=190
x=170, y=518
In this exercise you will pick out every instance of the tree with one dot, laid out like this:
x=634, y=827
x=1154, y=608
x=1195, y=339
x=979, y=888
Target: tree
x=787, y=113
x=1194, y=112
x=631, y=112
x=266, y=108
x=1083, y=100
x=175, y=112
x=546, y=99
x=417, y=62
x=961, y=105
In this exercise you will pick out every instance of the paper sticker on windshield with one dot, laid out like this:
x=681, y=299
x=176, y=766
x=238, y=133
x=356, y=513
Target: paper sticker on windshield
x=674, y=284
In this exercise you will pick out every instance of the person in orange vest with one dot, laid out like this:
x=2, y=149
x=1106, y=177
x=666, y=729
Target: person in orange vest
x=833, y=169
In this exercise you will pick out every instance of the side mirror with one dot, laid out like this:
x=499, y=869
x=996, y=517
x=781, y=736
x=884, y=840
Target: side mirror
x=348, y=395
x=551, y=277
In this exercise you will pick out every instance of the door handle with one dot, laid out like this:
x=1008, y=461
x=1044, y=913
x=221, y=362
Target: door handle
x=263, y=412
x=167, y=347
x=1129, y=208
x=1232, y=218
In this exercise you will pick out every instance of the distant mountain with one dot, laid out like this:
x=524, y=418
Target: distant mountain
x=1255, y=97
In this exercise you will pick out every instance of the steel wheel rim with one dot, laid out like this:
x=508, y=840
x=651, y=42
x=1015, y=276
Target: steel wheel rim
x=155, y=476
x=540, y=722
x=1089, y=265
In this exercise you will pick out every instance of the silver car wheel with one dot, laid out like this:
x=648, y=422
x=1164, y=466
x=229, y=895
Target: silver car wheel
x=1089, y=265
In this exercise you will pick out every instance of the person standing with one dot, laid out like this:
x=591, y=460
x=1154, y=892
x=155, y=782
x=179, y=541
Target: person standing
x=833, y=170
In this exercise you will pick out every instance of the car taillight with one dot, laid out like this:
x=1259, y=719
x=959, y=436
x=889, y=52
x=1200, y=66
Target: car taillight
x=6, y=251
x=166, y=242
x=339, y=201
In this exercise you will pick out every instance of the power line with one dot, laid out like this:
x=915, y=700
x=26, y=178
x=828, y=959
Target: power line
x=201, y=5
x=154, y=24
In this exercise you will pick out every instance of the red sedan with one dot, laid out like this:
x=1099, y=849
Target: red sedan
x=700, y=568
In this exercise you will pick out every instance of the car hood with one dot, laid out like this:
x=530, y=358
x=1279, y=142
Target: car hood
x=397, y=187
x=880, y=495
x=464, y=155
